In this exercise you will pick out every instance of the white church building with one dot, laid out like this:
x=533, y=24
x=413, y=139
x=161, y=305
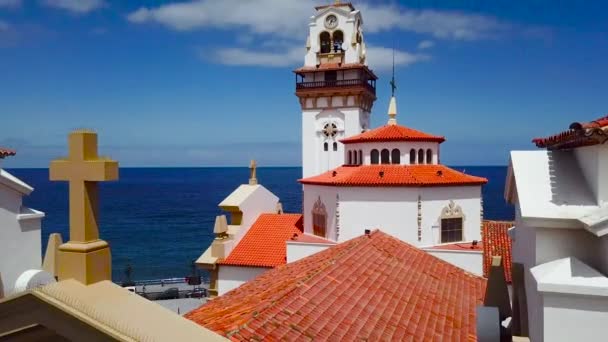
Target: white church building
x=354, y=178
x=560, y=241
x=20, y=235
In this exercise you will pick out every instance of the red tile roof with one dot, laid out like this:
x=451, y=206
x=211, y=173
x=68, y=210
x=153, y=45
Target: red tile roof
x=578, y=135
x=311, y=239
x=336, y=66
x=394, y=175
x=460, y=246
x=392, y=133
x=497, y=242
x=5, y=152
x=264, y=244
x=372, y=288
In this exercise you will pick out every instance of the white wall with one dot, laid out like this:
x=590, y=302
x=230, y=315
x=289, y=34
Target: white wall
x=298, y=250
x=231, y=277
x=593, y=161
x=349, y=121
x=470, y=261
x=394, y=210
x=574, y=318
x=20, y=241
x=403, y=146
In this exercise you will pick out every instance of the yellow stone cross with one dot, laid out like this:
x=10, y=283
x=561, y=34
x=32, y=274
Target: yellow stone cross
x=84, y=257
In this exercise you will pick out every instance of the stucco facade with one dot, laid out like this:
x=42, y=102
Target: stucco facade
x=231, y=277
x=393, y=210
x=20, y=236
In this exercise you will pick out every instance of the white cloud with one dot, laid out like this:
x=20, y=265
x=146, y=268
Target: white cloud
x=247, y=57
x=75, y=6
x=289, y=18
x=426, y=44
x=10, y=3
x=277, y=17
x=439, y=24
x=381, y=58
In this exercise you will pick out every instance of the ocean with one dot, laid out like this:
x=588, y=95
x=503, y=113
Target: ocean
x=158, y=220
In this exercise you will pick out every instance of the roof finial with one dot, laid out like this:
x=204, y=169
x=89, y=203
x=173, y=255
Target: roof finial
x=252, y=179
x=393, y=84
x=392, y=106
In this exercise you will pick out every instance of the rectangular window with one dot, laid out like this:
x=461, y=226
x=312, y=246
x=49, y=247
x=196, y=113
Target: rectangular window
x=451, y=230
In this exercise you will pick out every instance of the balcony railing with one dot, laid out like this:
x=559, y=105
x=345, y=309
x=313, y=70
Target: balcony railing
x=335, y=84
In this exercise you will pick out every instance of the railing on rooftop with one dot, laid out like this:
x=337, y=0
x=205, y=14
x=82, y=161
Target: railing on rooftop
x=336, y=84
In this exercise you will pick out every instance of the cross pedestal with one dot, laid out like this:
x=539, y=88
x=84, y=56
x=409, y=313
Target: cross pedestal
x=84, y=257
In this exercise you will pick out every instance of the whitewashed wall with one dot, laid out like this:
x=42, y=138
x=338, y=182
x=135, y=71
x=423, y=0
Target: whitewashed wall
x=403, y=146
x=574, y=318
x=298, y=250
x=593, y=161
x=315, y=160
x=470, y=261
x=231, y=277
x=393, y=210
x=20, y=240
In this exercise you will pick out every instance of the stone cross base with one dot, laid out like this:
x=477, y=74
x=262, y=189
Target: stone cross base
x=88, y=263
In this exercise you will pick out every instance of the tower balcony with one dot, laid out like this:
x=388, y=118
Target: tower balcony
x=363, y=84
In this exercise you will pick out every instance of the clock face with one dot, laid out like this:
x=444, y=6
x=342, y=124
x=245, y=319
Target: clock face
x=331, y=21
x=330, y=130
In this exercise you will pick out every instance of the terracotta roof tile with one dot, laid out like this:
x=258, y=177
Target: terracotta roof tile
x=460, y=246
x=578, y=135
x=497, y=242
x=312, y=239
x=392, y=133
x=264, y=243
x=5, y=152
x=372, y=287
x=394, y=175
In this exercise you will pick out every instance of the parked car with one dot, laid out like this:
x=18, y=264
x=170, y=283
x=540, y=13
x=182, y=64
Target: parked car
x=198, y=292
x=171, y=293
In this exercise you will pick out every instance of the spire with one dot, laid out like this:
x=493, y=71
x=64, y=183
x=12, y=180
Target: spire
x=392, y=106
x=252, y=179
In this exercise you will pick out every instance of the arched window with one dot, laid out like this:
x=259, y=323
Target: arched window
x=429, y=156
x=325, y=146
x=385, y=156
x=355, y=159
x=360, y=157
x=338, y=40
x=451, y=223
x=335, y=146
x=375, y=156
x=396, y=156
x=412, y=156
x=325, y=40
x=420, y=156
x=350, y=157
x=319, y=218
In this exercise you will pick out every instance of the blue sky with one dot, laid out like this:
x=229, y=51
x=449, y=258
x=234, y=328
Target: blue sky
x=209, y=83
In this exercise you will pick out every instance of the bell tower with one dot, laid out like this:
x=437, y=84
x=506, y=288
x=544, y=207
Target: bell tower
x=335, y=87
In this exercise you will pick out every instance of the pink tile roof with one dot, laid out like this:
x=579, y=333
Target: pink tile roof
x=374, y=287
x=386, y=175
x=497, y=242
x=264, y=244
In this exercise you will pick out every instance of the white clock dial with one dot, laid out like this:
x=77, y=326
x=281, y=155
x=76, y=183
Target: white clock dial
x=331, y=21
